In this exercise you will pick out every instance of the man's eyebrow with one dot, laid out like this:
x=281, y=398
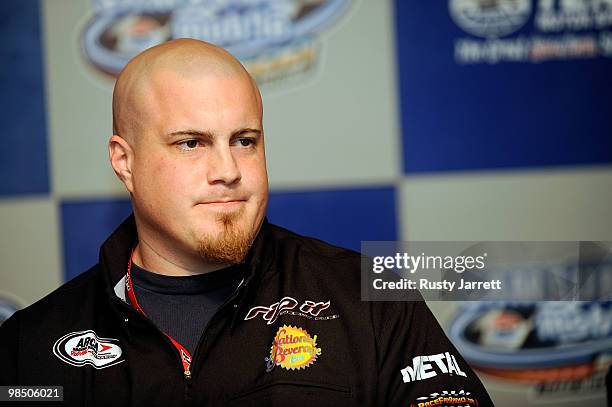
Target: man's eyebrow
x=192, y=133
x=208, y=135
x=245, y=131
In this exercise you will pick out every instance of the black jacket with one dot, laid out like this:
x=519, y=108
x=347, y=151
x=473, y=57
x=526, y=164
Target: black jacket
x=294, y=333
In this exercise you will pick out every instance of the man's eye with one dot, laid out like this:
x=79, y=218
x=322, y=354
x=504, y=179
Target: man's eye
x=188, y=144
x=246, y=142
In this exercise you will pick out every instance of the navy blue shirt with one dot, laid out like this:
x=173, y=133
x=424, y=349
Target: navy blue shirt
x=182, y=306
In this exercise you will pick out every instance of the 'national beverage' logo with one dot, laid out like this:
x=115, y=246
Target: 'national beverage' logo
x=293, y=348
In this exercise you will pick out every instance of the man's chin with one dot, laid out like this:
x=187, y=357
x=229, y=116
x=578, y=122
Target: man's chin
x=229, y=218
x=228, y=244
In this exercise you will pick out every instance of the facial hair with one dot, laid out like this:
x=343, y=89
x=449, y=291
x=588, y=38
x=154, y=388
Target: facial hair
x=229, y=246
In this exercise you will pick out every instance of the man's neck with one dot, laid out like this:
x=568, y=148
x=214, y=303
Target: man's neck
x=147, y=257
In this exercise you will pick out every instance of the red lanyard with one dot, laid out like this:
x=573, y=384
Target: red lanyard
x=185, y=356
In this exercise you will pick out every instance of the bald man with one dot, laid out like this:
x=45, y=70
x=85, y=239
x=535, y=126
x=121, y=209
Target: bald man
x=197, y=299
x=189, y=148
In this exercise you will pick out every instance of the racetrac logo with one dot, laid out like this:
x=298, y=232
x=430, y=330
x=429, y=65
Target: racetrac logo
x=86, y=348
x=426, y=367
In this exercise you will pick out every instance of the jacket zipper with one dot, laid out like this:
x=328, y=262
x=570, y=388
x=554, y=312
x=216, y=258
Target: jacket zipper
x=188, y=377
x=187, y=373
x=203, y=336
x=132, y=310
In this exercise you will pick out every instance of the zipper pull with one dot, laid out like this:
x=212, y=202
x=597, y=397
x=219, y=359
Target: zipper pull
x=187, y=374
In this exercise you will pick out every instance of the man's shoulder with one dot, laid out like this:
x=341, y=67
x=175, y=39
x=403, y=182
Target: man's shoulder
x=62, y=301
x=310, y=246
x=317, y=260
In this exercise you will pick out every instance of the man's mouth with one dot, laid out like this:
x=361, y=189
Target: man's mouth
x=224, y=203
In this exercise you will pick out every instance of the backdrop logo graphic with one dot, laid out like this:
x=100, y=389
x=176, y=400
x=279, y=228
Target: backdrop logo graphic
x=558, y=350
x=86, y=348
x=490, y=18
x=560, y=30
x=274, y=39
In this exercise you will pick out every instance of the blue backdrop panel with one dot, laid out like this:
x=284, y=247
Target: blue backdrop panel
x=23, y=159
x=85, y=226
x=341, y=217
x=509, y=114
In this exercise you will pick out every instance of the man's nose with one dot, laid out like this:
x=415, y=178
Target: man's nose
x=223, y=168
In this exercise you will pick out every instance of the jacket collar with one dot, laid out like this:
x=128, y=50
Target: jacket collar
x=115, y=254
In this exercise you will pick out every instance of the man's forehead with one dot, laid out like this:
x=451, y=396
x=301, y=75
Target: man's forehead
x=171, y=92
x=206, y=105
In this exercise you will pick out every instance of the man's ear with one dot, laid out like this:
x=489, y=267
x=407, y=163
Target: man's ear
x=121, y=157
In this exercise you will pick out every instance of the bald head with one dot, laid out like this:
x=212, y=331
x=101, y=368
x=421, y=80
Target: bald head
x=186, y=58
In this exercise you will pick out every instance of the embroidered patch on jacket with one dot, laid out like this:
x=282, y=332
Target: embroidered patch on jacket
x=446, y=398
x=86, y=348
x=428, y=366
x=293, y=348
x=290, y=306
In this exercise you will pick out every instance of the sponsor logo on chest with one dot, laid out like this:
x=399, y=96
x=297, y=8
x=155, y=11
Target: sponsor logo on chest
x=289, y=305
x=86, y=348
x=293, y=348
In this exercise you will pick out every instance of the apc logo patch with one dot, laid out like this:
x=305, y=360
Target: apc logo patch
x=86, y=348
